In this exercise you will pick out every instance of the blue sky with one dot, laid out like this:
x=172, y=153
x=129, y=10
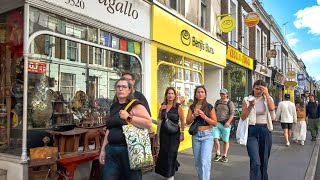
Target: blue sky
x=301, y=29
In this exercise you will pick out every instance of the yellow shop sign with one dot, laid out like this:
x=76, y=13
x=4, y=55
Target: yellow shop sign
x=174, y=32
x=240, y=58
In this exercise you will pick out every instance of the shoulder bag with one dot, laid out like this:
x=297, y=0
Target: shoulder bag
x=170, y=126
x=138, y=144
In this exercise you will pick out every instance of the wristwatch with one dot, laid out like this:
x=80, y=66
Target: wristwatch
x=129, y=118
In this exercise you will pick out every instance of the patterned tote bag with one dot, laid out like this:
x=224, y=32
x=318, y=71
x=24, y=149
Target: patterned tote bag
x=138, y=143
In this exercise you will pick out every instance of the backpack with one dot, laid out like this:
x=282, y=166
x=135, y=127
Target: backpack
x=219, y=102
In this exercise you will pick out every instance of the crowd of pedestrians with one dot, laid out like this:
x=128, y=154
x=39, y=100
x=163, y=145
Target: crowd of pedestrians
x=209, y=124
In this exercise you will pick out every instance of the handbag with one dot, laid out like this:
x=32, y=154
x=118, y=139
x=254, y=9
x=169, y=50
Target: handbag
x=193, y=129
x=138, y=144
x=170, y=126
x=242, y=132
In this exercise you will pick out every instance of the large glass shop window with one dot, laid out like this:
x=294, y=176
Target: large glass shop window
x=11, y=81
x=179, y=72
x=235, y=80
x=65, y=92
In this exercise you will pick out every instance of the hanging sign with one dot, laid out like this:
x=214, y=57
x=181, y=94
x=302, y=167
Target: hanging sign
x=227, y=24
x=272, y=53
x=291, y=74
x=252, y=19
x=290, y=83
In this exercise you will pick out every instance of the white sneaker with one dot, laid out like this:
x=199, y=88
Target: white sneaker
x=288, y=144
x=302, y=143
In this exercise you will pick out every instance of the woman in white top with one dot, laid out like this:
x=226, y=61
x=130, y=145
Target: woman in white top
x=260, y=113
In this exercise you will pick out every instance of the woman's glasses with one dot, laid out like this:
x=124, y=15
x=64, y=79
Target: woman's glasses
x=122, y=86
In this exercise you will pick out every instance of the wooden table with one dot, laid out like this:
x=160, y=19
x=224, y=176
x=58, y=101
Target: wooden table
x=68, y=141
x=71, y=163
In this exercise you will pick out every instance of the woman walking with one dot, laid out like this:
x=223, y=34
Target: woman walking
x=114, y=153
x=203, y=114
x=300, y=128
x=259, y=111
x=167, y=163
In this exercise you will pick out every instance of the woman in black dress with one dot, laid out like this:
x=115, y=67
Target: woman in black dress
x=167, y=163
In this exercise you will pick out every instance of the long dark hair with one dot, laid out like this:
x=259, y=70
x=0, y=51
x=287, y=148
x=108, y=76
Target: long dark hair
x=165, y=100
x=258, y=83
x=204, y=106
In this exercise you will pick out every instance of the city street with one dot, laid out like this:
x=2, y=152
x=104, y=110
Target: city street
x=286, y=163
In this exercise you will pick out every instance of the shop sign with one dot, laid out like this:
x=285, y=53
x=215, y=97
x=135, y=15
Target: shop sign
x=272, y=53
x=263, y=70
x=240, y=58
x=251, y=19
x=130, y=15
x=227, y=24
x=174, y=32
x=290, y=83
x=291, y=74
x=37, y=67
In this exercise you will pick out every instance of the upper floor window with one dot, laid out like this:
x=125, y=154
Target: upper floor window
x=233, y=34
x=245, y=37
x=72, y=51
x=174, y=4
x=258, y=44
x=203, y=13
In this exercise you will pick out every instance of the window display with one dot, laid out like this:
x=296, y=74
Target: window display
x=184, y=78
x=11, y=81
x=235, y=80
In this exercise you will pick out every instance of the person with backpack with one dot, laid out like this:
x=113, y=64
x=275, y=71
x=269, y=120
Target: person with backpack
x=225, y=112
x=313, y=113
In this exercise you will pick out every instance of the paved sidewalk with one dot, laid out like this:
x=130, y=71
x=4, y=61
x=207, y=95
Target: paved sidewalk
x=286, y=163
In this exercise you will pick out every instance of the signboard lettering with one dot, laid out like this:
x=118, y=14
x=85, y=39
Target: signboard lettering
x=37, y=67
x=239, y=57
x=200, y=44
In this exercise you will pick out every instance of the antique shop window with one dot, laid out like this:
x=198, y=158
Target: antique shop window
x=11, y=81
x=64, y=93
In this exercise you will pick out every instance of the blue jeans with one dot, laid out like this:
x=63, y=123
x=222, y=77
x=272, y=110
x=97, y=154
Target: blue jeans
x=202, y=144
x=259, y=147
x=117, y=165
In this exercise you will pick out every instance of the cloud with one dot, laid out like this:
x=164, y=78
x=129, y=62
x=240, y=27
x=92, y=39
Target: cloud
x=307, y=18
x=291, y=39
x=310, y=56
x=318, y=76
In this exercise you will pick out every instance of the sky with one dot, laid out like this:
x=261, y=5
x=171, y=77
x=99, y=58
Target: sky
x=299, y=21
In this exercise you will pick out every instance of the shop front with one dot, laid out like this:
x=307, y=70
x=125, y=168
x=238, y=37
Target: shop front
x=262, y=72
x=59, y=64
x=236, y=75
x=277, y=87
x=183, y=56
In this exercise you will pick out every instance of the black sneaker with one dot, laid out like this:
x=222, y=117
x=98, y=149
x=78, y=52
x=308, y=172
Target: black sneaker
x=313, y=139
x=217, y=158
x=224, y=159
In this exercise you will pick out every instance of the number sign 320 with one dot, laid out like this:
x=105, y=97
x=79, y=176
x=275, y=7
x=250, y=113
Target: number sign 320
x=76, y=3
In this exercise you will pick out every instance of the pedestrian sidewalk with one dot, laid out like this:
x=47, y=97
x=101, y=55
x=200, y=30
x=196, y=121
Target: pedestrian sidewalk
x=286, y=163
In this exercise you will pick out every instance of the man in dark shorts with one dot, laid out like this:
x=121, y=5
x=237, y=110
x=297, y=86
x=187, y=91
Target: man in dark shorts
x=287, y=115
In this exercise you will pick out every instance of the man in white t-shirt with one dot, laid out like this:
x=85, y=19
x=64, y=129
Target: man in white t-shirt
x=287, y=115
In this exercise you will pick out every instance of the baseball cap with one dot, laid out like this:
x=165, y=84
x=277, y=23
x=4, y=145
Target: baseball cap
x=223, y=91
x=287, y=96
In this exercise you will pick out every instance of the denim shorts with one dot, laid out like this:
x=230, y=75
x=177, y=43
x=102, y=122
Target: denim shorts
x=219, y=131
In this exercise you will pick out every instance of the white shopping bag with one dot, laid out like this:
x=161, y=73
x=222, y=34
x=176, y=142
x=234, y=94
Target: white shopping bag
x=242, y=132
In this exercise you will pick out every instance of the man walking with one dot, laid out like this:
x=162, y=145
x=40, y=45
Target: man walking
x=287, y=115
x=136, y=94
x=313, y=113
x=225, y=112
